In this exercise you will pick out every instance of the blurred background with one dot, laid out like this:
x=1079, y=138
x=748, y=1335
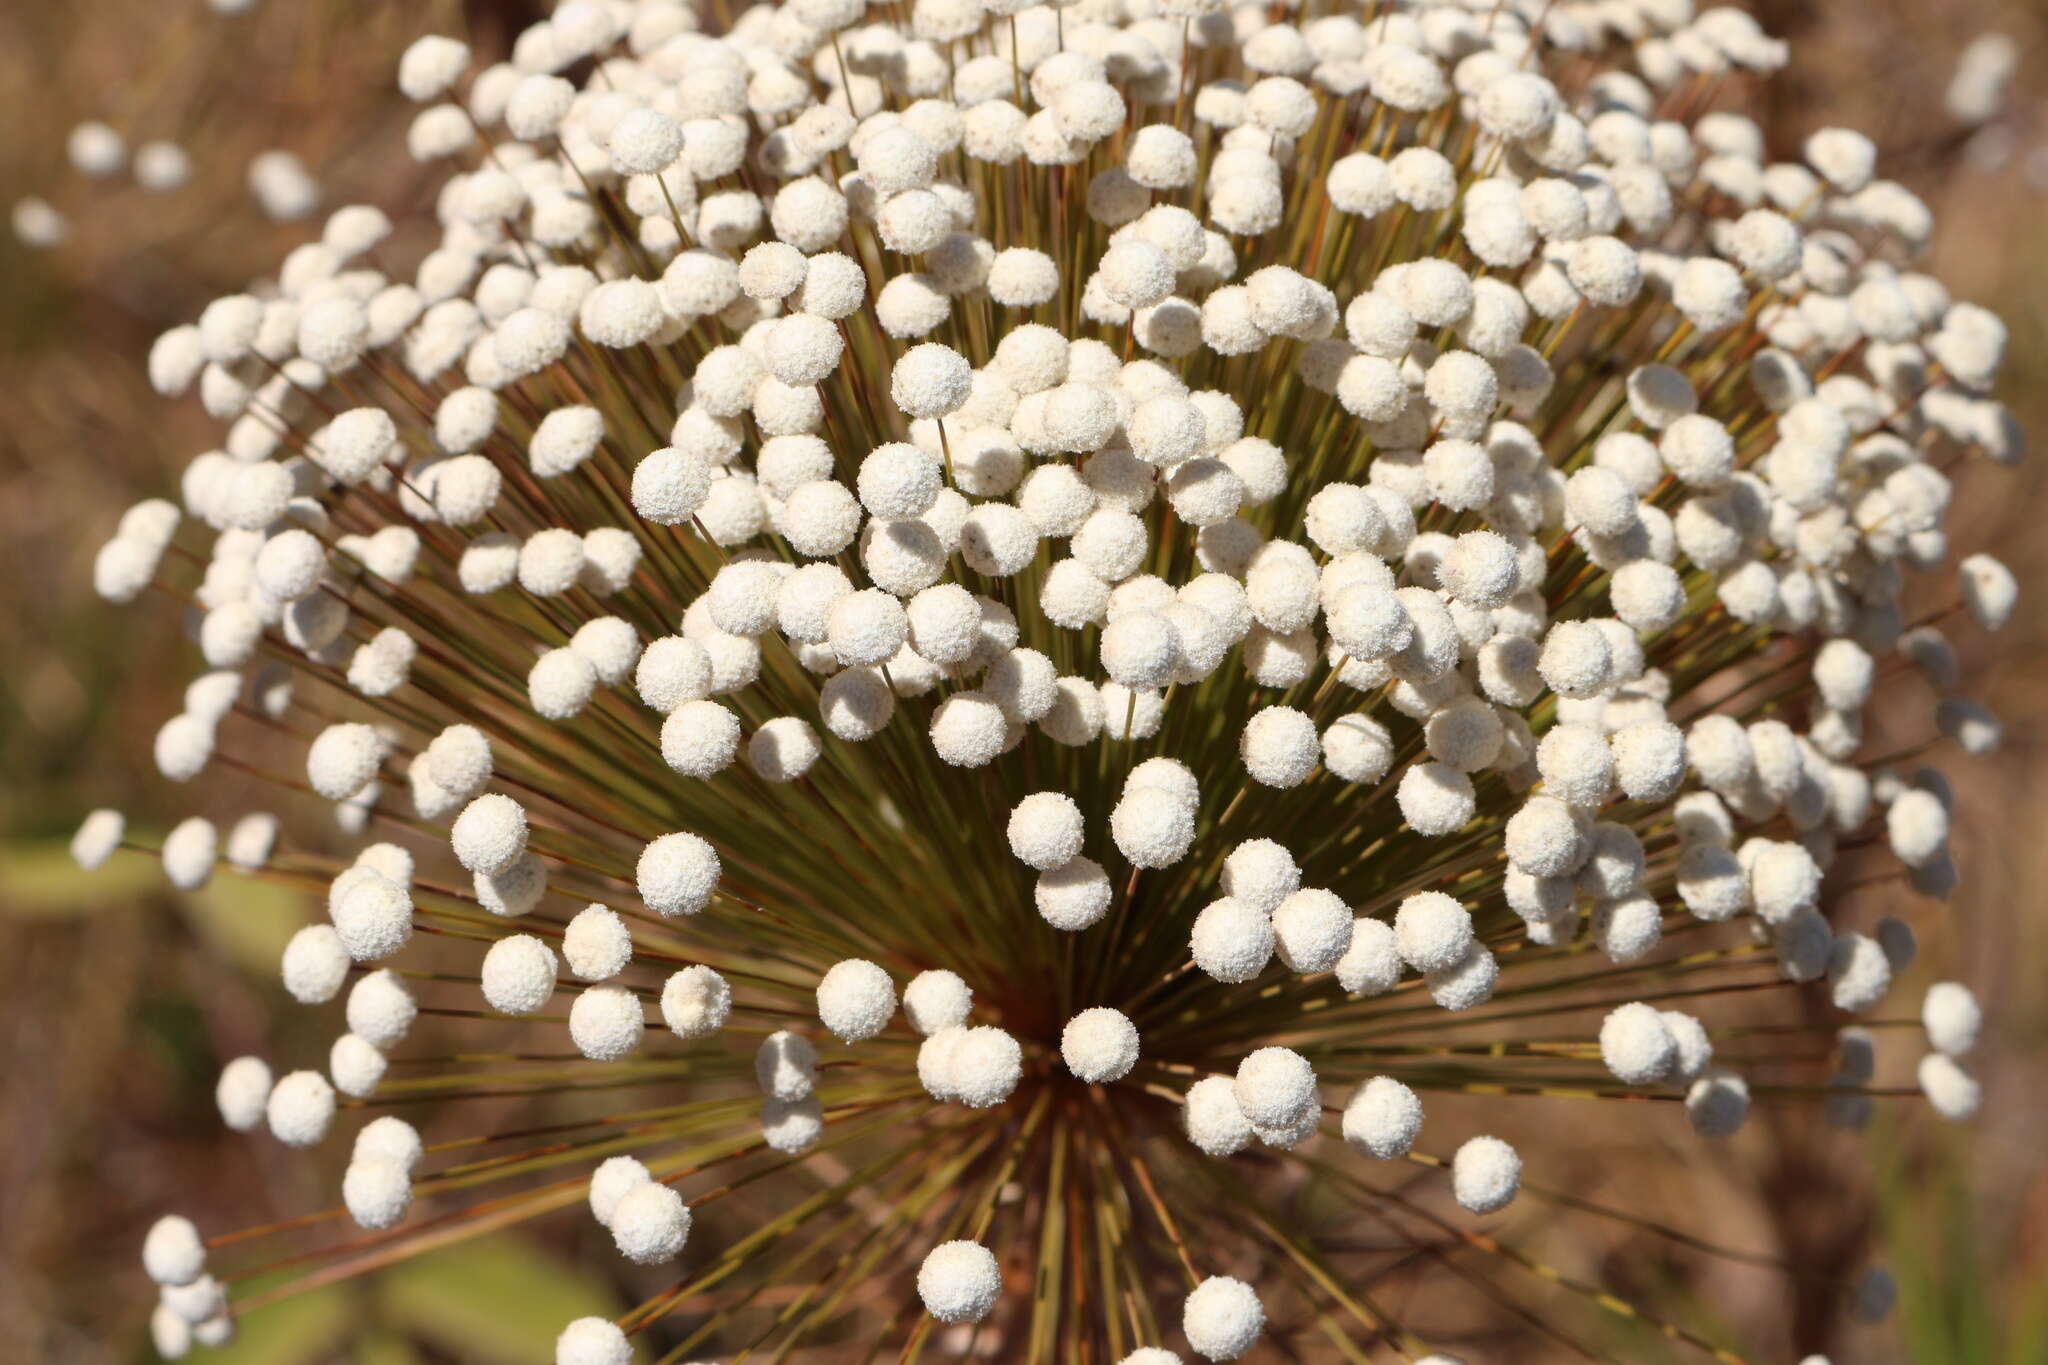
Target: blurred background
x=122, y=998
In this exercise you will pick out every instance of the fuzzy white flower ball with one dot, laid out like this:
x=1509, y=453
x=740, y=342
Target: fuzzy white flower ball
x=855, y=1000
x=172, y=1251
x=1099, y=1045
x=1222, y=1317
x=936, y=1000
x=1213, y=1120
x=695, y=1002
x=1312, y=930
x=1952, y=1017
x=1637, y=1045
x=490, y=834
x=607, y=1023
x=593, y=1341
x=1486, y=1173
x=650, y=1224
x=300, y=1108
x=1383, y=1119
x=1954, y=1092
x=959, y=1281
x=1073, y=896
x=1045, y=830
x=518, y=975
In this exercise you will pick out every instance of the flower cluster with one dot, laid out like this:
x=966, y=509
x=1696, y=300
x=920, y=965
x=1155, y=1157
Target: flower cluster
x=1033, y=620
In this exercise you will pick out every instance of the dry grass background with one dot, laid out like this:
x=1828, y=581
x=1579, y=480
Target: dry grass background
x=119, y=999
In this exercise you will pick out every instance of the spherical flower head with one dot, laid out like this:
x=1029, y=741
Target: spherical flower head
x=1465, y=735
x=529, y=341
x=381, y=1010
x=1222, y=1317
x=677, y=874
x=1846, y=158
x=1545, y=840
x=1045, y=830
x=1232, y=940
x=944, y=624
x=372, y=915
x=670, y=486
x=333, y=333
x=1153, y=826
x=1577, y=765
x=1383, y=1119
x=97, y=838
x=430, y=66
x=1213, y=1120
x=300, y=1109
x=1858, y=972
x=1481, y=570
x=855, y=1000
x=1150, y=1355
x=597, y=945
x=1280, y=747
x=376, y=1192
x=560, y=683
x=866, y=627
x=805, y=349
x=979, y=1067
x=490, y=834
x=1372, y=964
x=1952, y=1017
x=593, y=1341
x=1312, y=930
x=936, y=1000
x=969, y=729
x=124, y=568
x=172, y=1252
x=650, y=1224
x=197, y=1302
x=1954, y=1092
x=1990, y=591
x=644, y=142
x=243, y=1092
x=343, y=759
x=315, y=964
x=792, y=1126
x=614, y=1179
x=1260, y=873
x=1432, y=930
x=1080, y=417
x=1020, y=277
x=1518, y=105
x=959, y=1281
x=1356, y=750
x=95, y=149
x=785, y=1065
x=1435, y=799
x=621, y=313
x=1783, y=880
x=459, y=760
x=606, y=1023
x=1073, y=896
x=700, y=739
x=1099, y=1045
x=695, y=1002
x=1486, y=1173
x=783, y=749
x=518, y=975
x=1637, y=1044
x=1275, y=1086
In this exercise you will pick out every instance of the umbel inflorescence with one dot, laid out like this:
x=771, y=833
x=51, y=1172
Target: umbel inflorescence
x=1009, y=630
